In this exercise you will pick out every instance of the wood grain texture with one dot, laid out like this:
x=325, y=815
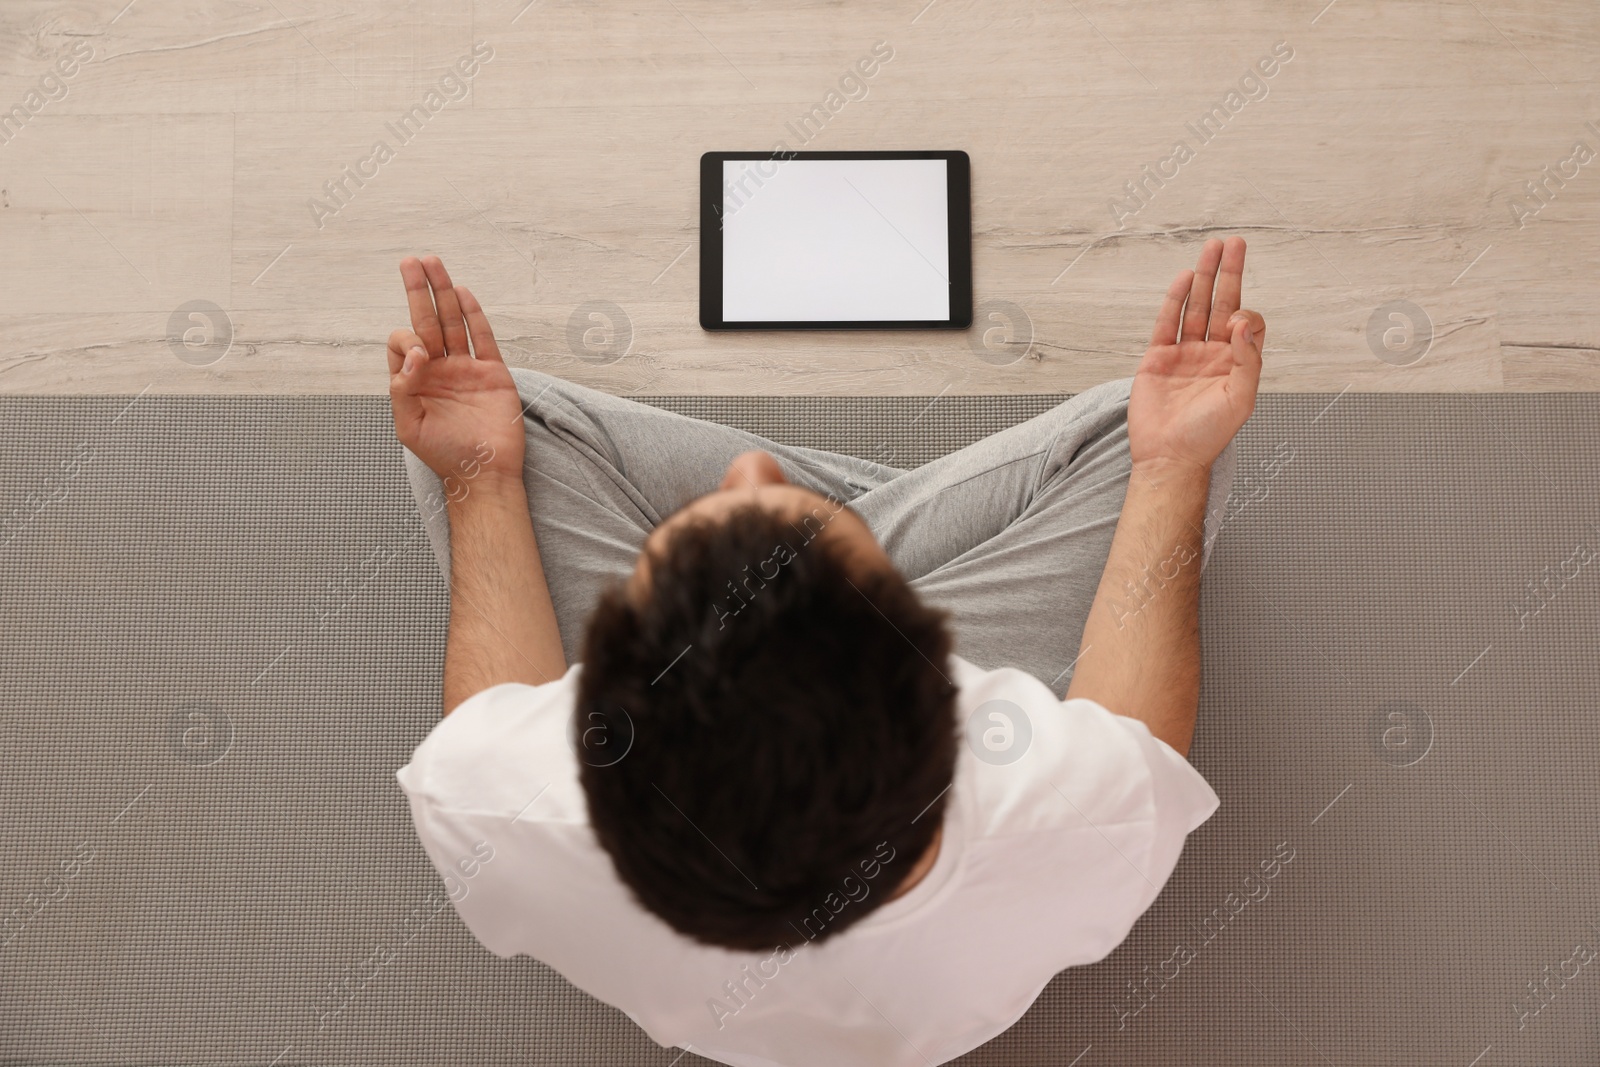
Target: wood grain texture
x=1387, y=161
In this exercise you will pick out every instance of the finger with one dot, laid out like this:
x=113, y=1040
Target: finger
x=1197, y=315
x=405, y=399
x=1247, y=331
x=1166, y=332
x=424, y=318
x=1258, y=325
x=1230, y=284
x=444, y=296
x=483, y=345
x=1244, y=378
x=402, y=342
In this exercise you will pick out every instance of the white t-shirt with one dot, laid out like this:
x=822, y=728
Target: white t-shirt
x=1046, y=862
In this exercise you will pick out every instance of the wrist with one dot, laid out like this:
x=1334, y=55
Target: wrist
x=489, y=488
x=1164, y=470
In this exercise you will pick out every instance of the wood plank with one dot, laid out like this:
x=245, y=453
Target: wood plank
x=183, y=162
x=1055, y=346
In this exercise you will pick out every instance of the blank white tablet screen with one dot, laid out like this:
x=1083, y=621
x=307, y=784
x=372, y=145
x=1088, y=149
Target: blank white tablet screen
x=835, y=240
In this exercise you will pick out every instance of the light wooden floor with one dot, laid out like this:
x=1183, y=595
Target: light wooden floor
x=1383, y=165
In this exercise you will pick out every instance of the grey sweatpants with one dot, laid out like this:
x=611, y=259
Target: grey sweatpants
x=1009, y=534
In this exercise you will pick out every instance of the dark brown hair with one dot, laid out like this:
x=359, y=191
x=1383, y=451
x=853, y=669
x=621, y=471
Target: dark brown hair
x=770, y=721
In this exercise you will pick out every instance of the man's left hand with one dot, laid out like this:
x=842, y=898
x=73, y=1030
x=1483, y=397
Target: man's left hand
x=458, y=412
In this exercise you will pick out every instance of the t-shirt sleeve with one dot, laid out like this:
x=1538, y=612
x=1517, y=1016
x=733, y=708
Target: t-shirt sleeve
x=486, y=751
x=484, y=788
x=1181, y=799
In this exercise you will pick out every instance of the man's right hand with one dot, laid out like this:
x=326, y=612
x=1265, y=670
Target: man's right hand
x=459, y=413
x=1197, y=383
x=1140, y=657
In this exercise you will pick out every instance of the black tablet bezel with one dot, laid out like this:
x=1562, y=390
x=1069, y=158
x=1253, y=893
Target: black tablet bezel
x=958, y=185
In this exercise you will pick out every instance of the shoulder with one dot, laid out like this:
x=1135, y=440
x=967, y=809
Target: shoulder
x=496, y=746
x=1038, y=763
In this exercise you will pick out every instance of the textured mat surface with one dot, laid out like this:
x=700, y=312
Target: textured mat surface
x=223, y=631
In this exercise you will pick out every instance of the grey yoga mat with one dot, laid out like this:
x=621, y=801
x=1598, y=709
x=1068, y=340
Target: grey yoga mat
x=223, y=631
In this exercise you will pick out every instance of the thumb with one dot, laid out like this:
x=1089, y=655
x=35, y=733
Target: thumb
x=405, y=398
x=1249, y=332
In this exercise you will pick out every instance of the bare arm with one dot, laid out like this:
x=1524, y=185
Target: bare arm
x=502, y=624
x=1194, y=389
x=456, y=408
x=1140, y=655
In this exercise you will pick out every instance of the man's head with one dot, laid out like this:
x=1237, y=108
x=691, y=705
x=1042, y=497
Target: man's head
x=783, y=696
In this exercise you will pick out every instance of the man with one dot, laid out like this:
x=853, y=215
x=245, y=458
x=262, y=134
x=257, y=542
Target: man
x=769, y=747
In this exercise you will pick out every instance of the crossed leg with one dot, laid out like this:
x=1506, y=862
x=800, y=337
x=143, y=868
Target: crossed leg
x=1010, y=534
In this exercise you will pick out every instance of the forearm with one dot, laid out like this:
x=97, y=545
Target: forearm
x=502, y=623
x=1140, y=654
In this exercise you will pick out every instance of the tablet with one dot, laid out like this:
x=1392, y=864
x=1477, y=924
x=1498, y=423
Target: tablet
x=835, y=240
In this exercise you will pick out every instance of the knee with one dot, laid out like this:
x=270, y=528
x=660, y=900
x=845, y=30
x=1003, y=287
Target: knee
x=1096, y=419
x=547, y=402
x=535, y=383
x=1109, y=394
x=1095, y=401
